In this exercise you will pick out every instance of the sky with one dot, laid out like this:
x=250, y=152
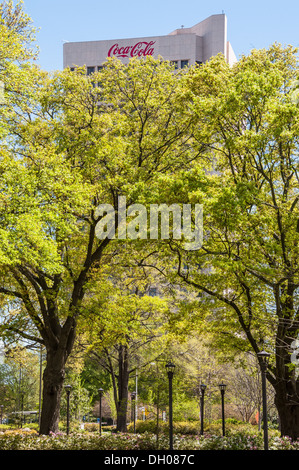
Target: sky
x=251, y=24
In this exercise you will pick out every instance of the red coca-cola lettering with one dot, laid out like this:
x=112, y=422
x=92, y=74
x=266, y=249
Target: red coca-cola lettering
x=138, y=50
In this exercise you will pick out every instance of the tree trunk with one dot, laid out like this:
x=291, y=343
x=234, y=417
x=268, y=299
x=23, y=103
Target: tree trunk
x=286, y=383
x=53, y=379
x=123, y=382
x=288, y=412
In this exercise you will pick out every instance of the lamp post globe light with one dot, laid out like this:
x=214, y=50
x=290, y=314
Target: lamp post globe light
x=202, y=398
x=222, y=388
x=133, y=398
x=170, y=368
x=263, y=358
x=68, y=389
x=100, y=419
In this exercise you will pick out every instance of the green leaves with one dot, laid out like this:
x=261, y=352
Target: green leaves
x=249, y=261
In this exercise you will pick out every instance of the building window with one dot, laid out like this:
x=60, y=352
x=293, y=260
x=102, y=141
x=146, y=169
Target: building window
x=100, y=67
x=175, y=63
x=184, y=63
x=199, y=63
x=90, y=70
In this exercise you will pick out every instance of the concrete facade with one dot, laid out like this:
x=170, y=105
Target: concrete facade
x=185, y=46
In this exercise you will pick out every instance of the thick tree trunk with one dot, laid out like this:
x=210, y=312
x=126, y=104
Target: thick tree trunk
x=286, y=383
x=288, y=412
x=121, y=422
x=123, y=383
x=53, y=379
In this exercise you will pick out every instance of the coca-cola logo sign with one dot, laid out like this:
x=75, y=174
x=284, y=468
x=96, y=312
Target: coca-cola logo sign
x=140, y=49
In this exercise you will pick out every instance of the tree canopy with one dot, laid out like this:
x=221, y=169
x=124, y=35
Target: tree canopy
x=248, y=264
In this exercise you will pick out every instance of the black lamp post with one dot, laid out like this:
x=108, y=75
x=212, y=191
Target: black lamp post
x=170, y=367
x=68, y=391
x=22, y=408
x=100, y=422
x=1, y=415
x=202, y=398
x=263, y=358
x=222, y=388
x=133, y=398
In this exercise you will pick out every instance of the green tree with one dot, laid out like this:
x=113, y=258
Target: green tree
x=124, y=333
x=19, y=376
x=87, y=141
x=248, y=264
x=17, y=72
x=19, y=79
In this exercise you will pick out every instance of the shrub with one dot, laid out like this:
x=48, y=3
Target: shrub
x=26, y=439
x=186, y=427
x=237, y=442
x=91, y=427
x=150, y=426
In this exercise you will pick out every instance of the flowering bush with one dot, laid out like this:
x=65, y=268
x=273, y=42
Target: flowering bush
x=235, y=442
x=87, y=441
x=31, y=440
x=284, y=443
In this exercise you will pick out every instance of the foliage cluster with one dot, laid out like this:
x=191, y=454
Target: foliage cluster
x=187, y=428
x=150, y=426
x=30, y=440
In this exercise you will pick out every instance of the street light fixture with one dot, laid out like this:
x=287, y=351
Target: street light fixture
x=263, y=358
x=133, y=398
x=170, y=367
x=101, y=395
x=202, y=397
x=68, y=389
x=222, y=388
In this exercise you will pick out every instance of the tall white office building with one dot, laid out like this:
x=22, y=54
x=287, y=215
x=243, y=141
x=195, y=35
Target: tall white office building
x=183, y=47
